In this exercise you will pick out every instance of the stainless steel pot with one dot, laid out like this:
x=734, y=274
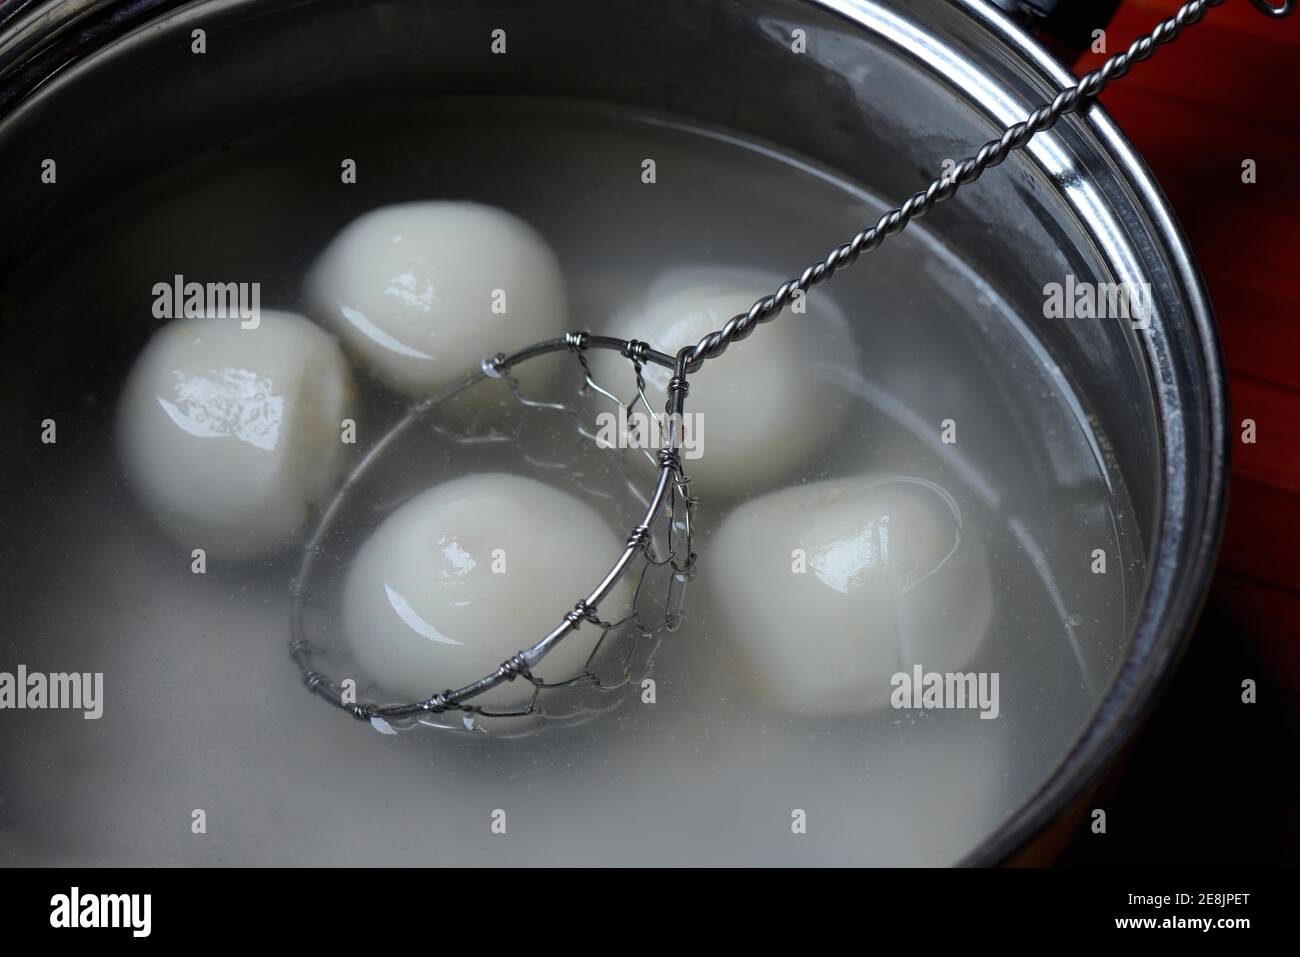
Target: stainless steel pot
x=885, y=91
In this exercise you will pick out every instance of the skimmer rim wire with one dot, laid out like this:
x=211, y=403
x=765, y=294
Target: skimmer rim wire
x=671, y=481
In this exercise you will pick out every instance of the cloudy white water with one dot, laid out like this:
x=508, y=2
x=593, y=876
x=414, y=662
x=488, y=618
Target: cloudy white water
x=203, y=710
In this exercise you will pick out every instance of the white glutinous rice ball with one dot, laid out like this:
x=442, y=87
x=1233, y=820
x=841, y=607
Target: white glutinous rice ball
x=756, y=412
x=231, y=435
x=424, y=292
x=471, y=572
x=832, y=588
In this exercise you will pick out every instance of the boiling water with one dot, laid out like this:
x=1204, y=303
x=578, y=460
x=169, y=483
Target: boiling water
x=205, y=710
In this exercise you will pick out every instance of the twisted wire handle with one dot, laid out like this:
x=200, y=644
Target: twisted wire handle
x=968, y=170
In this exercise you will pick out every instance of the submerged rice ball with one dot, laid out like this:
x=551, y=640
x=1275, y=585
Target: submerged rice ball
x=424, y=292
x=470, y=572
x=231, y=435
x=756, y=412
x=832, y=588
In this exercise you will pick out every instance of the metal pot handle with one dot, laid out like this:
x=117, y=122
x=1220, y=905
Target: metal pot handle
x=1064, y=26
x=1281, y=10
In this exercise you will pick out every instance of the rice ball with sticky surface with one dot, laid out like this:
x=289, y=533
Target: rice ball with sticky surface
x=231, y=435
x=832, y=588
x=423, y=292
x=761, y=409
x=470, y=572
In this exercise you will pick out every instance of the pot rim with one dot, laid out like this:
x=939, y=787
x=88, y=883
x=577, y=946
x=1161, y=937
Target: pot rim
x=1175, y=590
x=31, y=55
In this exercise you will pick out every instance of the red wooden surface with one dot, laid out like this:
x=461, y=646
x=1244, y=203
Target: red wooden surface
x=1228, y=91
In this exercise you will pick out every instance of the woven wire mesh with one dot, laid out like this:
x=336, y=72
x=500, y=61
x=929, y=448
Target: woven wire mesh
x=661, y=567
